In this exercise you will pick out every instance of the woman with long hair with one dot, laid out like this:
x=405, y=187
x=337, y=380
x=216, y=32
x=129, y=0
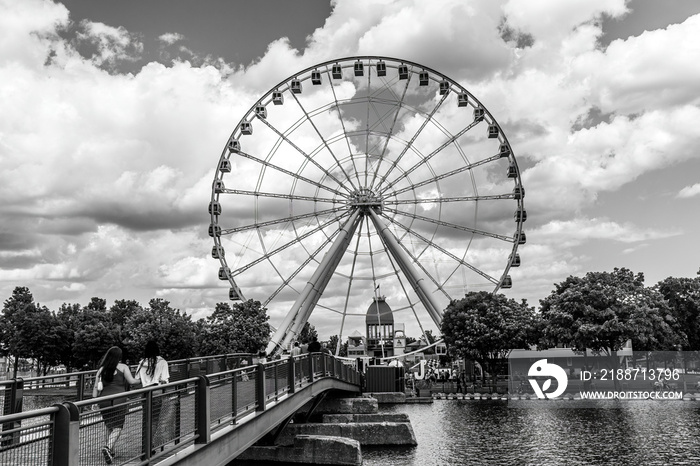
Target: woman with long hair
x=153, y=370
x=113, y=375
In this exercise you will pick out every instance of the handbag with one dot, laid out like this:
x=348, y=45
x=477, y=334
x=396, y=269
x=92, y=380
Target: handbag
x=100, y=386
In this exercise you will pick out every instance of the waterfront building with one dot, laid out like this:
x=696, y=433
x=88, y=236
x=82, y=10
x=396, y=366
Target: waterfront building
x=356, y=345
x=379, y=322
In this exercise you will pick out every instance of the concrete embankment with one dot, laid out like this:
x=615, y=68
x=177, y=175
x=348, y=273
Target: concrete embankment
x=345, y=425
x=308, y=449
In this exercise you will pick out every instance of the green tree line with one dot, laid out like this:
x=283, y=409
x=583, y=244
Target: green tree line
x=77, y=336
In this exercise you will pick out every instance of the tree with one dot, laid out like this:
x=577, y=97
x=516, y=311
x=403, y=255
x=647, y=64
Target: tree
x=12, y=324
x=94, y=334
x=683, y=297
x=122, y=309
x=603, y=310
x=119, y=313
x=44, y=339
x=241, y=328
x=307, y=334
x=333, y=345
x=485, y=327
x=27, y=330
x=67, y=325
x=177, y=336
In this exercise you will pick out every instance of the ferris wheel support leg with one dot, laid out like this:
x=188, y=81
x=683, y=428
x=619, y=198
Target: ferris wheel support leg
x=305, y=303
x=404, y=262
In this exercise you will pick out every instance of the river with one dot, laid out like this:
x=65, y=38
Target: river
x=461, y=432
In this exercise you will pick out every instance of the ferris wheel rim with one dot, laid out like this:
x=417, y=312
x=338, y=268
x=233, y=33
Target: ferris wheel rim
x=340, y=193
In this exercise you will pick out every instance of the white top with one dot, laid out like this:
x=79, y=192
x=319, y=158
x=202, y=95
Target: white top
x=160, y=376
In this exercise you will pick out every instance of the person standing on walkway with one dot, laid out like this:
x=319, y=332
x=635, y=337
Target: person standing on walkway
x=296, y=350
x=314, y=346
x=112, y=377
x=153, y=371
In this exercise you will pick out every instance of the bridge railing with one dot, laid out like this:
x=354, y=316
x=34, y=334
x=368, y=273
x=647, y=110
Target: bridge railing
x=77, y=386
x=159, y=420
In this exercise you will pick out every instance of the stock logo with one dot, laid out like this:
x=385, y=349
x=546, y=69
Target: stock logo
x=541, y=369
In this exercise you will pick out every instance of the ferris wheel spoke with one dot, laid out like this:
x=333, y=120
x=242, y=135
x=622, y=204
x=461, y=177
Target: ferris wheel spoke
x=438, y=200
x=426, y=120
x=342, y=123
x=411, y=304
x=398, y=105
x=449, y=141
x=291, y=197
x=296, y=240
x=350, y=280
x=448, y=174
x=293, y=218
x=449, y=225
x=306, y=301
x=306, y=156
x=369, y=101
x=442, y=250
x=405, y=259
x=286, y=282
x=380, y=122
x=325, y=143
x=289, y=173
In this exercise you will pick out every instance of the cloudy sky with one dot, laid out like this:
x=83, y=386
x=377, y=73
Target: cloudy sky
x=114, y=115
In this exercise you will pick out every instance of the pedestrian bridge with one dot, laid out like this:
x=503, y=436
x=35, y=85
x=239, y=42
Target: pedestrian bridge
x=208, y=419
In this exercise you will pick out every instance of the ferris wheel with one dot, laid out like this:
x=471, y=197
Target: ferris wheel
x=360, y=176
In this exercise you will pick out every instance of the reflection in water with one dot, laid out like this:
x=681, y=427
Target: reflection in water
x=455, y=432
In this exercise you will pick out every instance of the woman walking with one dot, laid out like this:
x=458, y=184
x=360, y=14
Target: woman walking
x=153, y=370
x=113, y=377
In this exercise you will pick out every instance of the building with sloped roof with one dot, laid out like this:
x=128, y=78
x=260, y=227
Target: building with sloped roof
x=379, y=322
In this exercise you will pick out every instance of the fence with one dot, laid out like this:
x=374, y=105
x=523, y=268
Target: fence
x=159, y=420
x=77, y=386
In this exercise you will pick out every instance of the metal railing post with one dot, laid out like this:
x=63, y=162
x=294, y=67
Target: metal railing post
x=291, y=376
x=203, y=427
x=277, y=366
x=311, y=368
x=260, y=388
x=12, y=405
x=81, y=386
x=66, y=435
x=234, y=396
x=17, y=396
x=324, y=365
x=147, y=425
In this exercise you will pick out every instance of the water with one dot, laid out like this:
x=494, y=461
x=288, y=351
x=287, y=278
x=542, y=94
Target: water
x=457, y=432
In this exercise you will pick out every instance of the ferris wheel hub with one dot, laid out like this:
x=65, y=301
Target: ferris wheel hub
x=365, y=199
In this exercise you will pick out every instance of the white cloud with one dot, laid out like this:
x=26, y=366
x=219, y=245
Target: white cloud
x=568, y=233
x=27, y=31
x=113, y=44
x=689, y=191
x=635, y=249
x=73, y=287
x=553, y=21
x=170, y=38
x=656, y=70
